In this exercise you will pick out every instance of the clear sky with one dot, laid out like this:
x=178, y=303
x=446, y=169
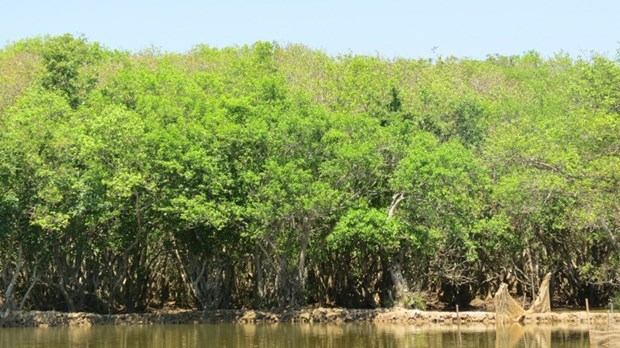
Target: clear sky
x=467, y=28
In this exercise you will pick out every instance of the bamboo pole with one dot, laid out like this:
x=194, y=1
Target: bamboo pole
x=458, y=323
x=611, y=310
x=588, y=314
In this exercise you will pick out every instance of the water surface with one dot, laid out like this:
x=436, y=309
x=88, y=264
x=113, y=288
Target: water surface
x=295, y=335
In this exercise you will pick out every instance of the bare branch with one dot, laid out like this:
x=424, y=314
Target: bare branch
x=396, y=199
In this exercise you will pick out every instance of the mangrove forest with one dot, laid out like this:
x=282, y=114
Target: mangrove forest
x=275, y=176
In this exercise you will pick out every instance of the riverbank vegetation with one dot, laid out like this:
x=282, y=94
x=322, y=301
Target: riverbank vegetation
x=266, y=176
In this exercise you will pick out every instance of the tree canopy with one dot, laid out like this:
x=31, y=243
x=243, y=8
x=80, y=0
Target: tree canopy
x=268, y=175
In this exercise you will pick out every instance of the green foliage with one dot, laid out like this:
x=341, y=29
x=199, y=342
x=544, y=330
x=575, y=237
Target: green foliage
x=364, y=228
x=598, y=83
x=67, y=61
x=616, y=301
x=276, y=175
x=414, y=301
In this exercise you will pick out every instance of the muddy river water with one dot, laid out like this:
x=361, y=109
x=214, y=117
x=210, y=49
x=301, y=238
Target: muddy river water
x=297, y=335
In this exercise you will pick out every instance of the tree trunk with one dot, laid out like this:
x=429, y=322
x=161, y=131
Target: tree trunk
x=258, y=278
x=395, y=269
x=398, y=280
x=65, y=294
x=33, y=282
x=302, y=255
x=9, y=294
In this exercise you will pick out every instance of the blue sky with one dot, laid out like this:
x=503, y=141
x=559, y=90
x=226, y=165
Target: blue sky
x=390, y=28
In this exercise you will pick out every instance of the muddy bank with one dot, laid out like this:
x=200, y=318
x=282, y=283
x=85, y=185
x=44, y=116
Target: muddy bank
x=309, y=315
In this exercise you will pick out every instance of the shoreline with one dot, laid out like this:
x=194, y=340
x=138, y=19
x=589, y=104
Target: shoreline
x=303, y=315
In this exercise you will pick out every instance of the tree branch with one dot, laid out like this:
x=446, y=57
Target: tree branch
x=396, y=199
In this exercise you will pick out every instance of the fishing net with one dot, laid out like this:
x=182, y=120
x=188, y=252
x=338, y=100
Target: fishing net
x=507, y=310
x=542, y=303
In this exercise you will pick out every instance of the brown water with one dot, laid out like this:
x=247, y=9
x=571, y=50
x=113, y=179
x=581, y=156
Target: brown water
x=294, y=335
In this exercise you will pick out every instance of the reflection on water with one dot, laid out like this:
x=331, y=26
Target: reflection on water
x=295, y=335
x=516, y=335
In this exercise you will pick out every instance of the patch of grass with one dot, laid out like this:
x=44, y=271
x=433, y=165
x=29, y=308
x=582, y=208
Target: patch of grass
x=414, y=300
x=615, y=301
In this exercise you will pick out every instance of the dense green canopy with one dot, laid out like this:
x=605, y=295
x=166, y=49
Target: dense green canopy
x=262, y=176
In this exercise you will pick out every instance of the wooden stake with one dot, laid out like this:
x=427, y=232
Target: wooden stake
x=608, y=319
x=588, y=313
x=458, y=322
